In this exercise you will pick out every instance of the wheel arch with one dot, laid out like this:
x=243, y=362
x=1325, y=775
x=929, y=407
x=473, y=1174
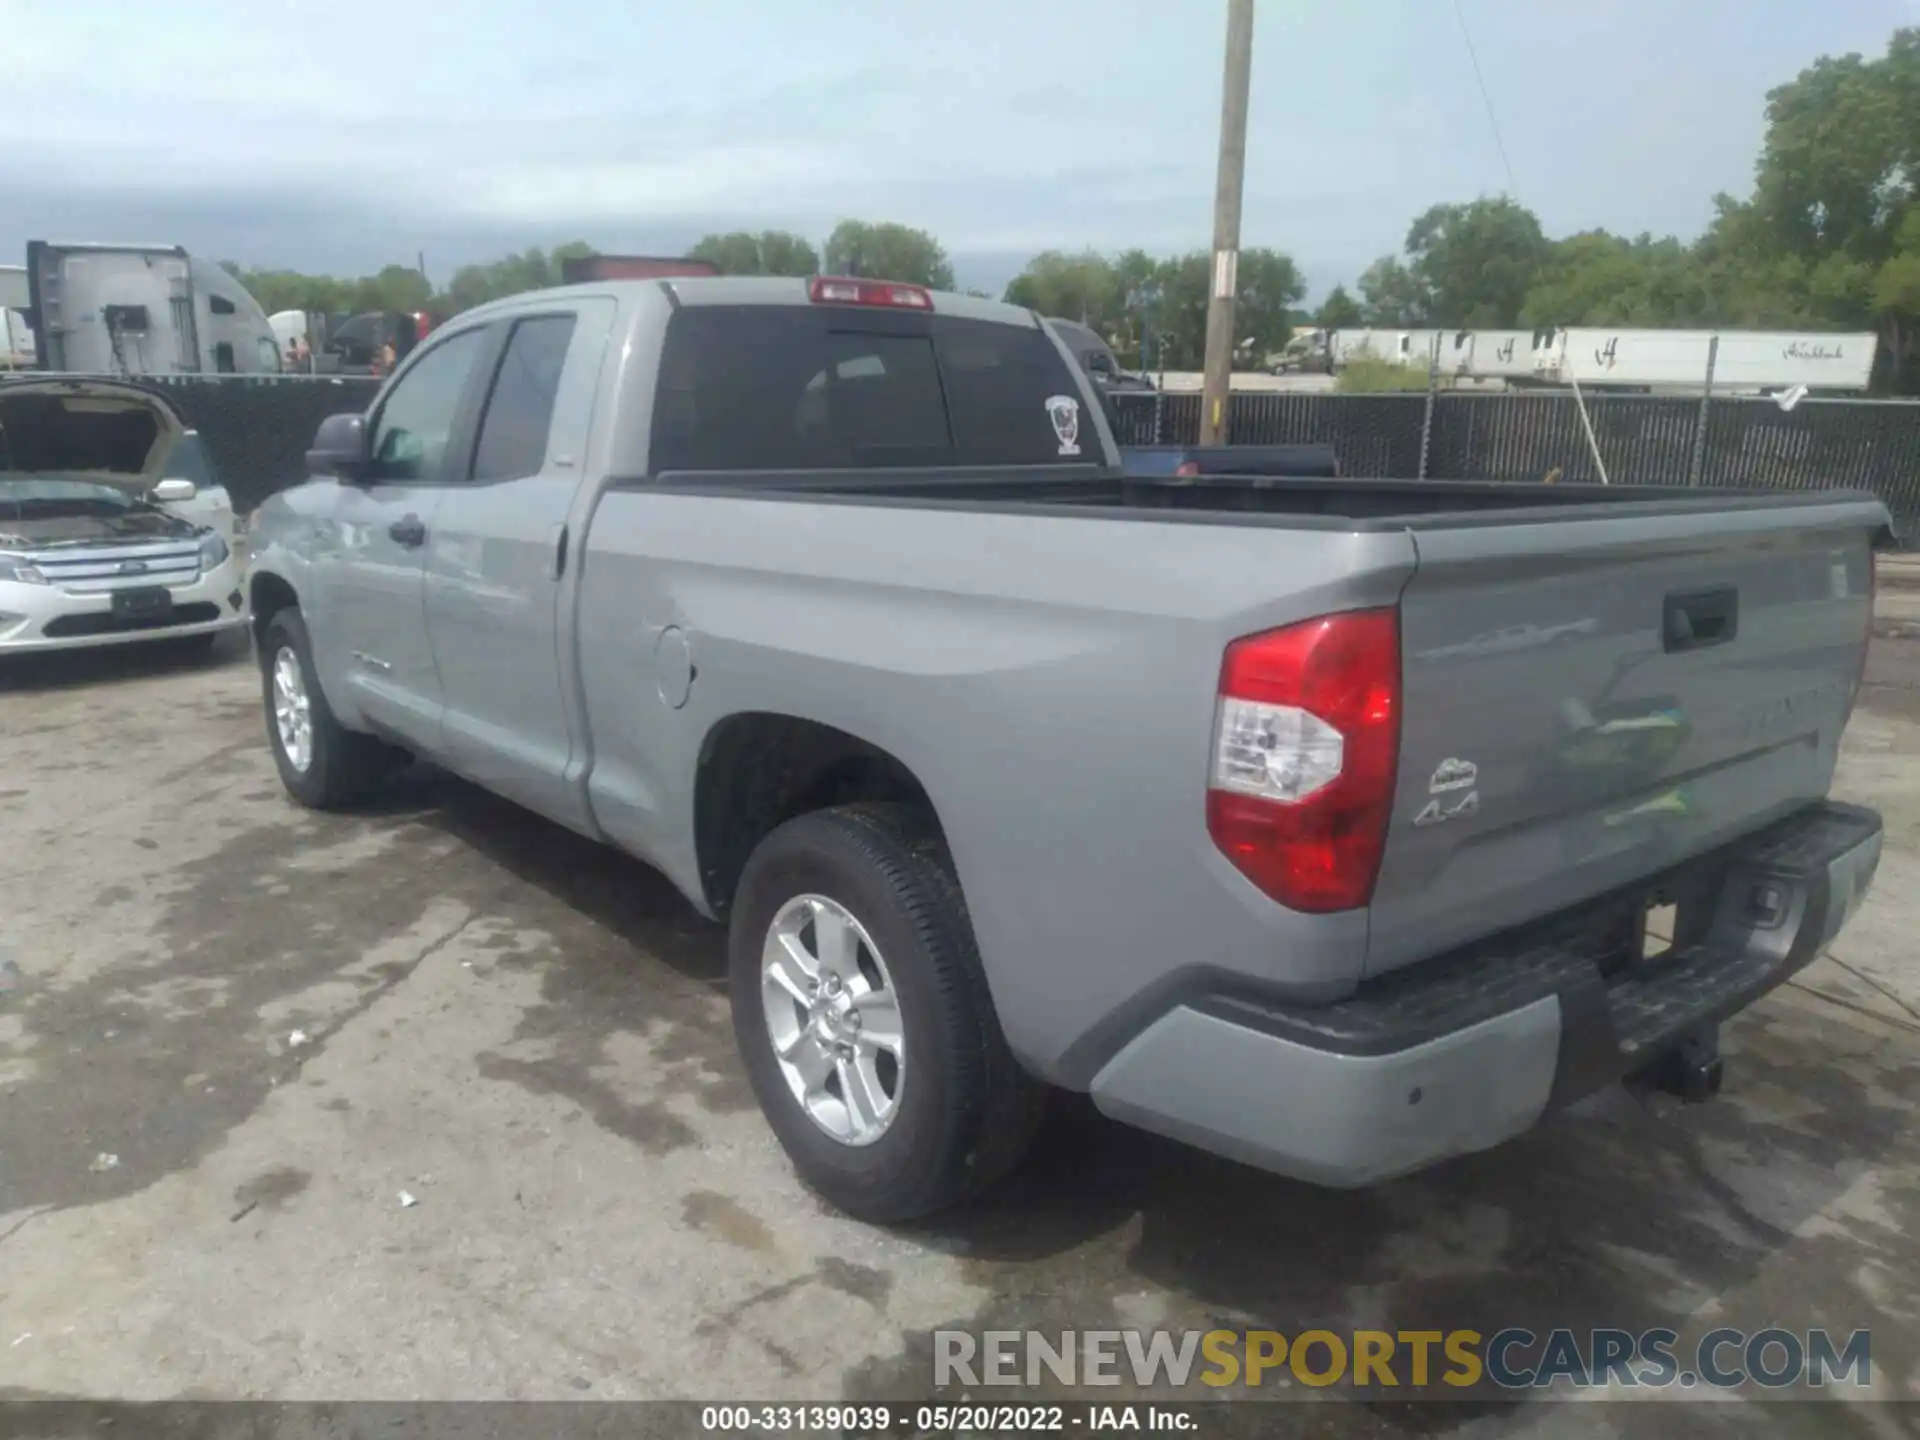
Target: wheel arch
x=758, y=769
x=268, y=593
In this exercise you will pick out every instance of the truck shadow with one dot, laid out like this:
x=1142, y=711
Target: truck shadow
x=1629, y=1213
x=119, y=664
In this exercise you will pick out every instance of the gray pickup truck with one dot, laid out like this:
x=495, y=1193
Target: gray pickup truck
x=1314, y=822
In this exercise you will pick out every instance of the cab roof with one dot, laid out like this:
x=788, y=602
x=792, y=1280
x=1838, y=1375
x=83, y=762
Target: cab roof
x=700, y=290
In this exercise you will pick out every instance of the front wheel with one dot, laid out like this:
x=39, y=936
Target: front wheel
x=863, y=1018
x=322, y=764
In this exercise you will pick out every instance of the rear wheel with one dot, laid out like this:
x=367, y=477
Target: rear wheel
x=863, y=1018
x=323, y=765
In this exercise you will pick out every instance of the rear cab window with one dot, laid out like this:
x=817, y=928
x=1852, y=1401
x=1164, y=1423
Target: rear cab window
x=771, y=387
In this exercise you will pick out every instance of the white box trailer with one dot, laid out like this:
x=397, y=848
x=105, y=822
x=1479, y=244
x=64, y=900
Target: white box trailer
x=143, y=310
x=1396, y=347
x=1453, y=355
x=1492, y=354
x=1745, y=360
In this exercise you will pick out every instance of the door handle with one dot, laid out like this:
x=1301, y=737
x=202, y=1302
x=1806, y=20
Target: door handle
x=1699, y=618
x=409, y=531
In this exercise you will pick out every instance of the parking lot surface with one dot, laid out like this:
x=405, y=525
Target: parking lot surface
x=233, y=1033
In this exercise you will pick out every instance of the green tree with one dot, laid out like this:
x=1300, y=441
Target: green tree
x=1830, y=222
x=1339, y=311
x=770, y=252
x=1123, y=297
x=1184, y=282
x=278, y=290
x=1079, y=287
x=1596, y=278
x=396, y=287
x=1268, y=287
x=1474, y=263
x=1391, y=294
x=886, y=251
x=1896, y=296
x=533, y=269
x=1136, y=288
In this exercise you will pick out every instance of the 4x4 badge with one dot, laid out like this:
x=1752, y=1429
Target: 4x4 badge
x=1453, y=775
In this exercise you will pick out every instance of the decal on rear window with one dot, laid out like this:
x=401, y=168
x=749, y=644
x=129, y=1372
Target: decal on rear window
x=1064, y=412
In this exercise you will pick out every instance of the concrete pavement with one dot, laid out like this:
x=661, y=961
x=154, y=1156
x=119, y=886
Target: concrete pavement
x=527, y=1034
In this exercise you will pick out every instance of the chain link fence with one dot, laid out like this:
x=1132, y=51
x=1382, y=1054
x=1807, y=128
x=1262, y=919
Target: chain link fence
x=1734, y=441
x=257, y=429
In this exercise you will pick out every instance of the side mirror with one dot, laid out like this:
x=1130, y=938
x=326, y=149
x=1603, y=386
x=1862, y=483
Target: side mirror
x=339, y=449
x=169, y=491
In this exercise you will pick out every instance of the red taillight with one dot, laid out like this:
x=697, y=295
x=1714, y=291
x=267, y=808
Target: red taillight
x=1306, y=740
x=1188, y=468
x=833, y=290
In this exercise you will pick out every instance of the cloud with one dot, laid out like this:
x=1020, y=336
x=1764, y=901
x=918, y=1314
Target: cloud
x=334, y=135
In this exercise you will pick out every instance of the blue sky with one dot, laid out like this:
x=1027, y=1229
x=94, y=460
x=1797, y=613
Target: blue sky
x=342, y=135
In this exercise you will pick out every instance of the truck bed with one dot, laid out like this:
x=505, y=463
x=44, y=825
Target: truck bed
x=1598, y=681
x=1288, y=501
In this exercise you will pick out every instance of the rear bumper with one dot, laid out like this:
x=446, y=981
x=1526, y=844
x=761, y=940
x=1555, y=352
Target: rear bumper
x=1470, y=1049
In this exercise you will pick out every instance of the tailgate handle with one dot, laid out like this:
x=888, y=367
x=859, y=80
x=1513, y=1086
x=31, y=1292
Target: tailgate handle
x=1699, y=618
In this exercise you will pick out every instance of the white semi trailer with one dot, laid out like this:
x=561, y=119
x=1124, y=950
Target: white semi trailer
x=1743, y=360
x=142, y=310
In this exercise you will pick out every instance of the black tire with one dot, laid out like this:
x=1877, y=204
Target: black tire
x=345, y=766
x=967, y=1111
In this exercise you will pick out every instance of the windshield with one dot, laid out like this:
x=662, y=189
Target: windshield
x=42, y=492
x=188, y=460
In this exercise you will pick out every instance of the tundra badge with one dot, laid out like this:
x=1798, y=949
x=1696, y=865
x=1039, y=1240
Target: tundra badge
x=1435, y=811
x=1450, y=775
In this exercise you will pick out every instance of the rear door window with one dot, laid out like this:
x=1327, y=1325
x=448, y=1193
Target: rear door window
x=791, y=388
x=513, y=434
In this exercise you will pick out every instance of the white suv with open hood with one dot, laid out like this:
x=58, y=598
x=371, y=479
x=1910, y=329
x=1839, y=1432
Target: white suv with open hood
x=99, y=543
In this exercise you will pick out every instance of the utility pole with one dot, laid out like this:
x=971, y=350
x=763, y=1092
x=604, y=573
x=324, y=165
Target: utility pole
x=1226, y=222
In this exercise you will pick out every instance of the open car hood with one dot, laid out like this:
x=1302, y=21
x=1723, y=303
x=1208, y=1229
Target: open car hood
x=101, y=430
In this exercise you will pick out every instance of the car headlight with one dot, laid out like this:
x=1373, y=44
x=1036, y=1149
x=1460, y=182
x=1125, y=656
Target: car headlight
x=213, y=551
x=12, y=567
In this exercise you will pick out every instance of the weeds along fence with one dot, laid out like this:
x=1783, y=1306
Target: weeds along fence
x=257, y=429
x=1732, y=441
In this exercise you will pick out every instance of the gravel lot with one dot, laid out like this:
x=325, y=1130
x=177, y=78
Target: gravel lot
x=528, y=1035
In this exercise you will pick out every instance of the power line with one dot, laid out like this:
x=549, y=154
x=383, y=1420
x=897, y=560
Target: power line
x=1493, y=120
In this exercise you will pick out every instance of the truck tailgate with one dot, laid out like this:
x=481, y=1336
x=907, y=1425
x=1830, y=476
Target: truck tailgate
x=1591, y=701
